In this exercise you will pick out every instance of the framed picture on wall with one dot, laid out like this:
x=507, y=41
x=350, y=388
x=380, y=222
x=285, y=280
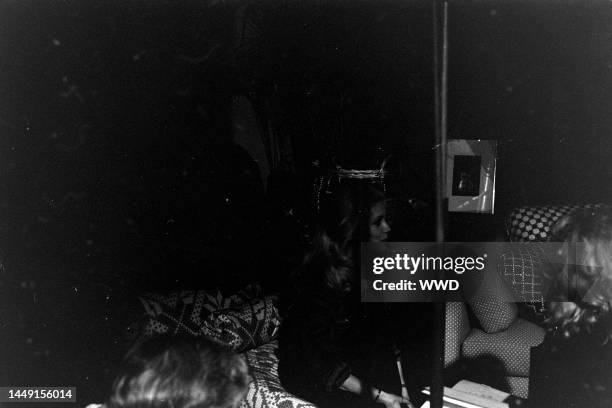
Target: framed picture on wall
x=470, y=175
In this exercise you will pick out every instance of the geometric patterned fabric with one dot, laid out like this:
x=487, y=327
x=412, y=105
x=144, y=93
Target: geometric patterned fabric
x=494, y=313
x=456, y=330
x=533, y=224
x=245, y=322
x=519, y=386
x=512, y=347
x=265, y=391
x=184, y=312
x=240, y=321
x=521, y=267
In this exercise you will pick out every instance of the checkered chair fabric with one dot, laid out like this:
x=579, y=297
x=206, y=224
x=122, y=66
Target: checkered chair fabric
x=534, y=223
x=521, y=268
x=512, y=347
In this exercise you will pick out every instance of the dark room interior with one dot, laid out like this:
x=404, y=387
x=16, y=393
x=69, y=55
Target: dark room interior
x=158, y=146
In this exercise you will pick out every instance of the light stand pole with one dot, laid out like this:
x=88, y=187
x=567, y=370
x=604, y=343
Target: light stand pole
x=440, y=102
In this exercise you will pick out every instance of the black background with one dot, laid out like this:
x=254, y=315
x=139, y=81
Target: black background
x=118, y=175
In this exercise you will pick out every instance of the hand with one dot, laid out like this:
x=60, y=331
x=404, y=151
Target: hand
x=392, y=401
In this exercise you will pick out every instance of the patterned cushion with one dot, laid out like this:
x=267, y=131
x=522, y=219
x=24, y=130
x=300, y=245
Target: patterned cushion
x=186, y=312
x=533, y=224
x=512, y=346
x=242, y=321
x=521, y=267
x=250, y=326
x=265, y=391
x=238, y=321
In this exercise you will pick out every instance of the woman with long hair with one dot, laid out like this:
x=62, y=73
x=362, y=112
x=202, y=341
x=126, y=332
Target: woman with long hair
x=573, y=367
x=324, y=337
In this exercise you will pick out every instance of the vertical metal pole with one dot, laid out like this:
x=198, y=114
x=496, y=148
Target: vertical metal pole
x=440, y=85
x=441, y=126
x=436, y=70
x=444, y=106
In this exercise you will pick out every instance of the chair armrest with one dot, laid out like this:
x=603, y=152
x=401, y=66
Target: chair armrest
x=457, y=329
x=511, y=348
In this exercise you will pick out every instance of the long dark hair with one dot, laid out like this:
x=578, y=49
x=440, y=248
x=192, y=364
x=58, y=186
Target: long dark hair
x=343, y=223
x=582, y=286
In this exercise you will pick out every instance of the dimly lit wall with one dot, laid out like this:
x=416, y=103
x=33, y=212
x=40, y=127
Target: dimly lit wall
x=536, y=76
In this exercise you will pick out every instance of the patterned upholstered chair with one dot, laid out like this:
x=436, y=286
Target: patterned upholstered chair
x=502, y=334
x=531, y=224
x=534, y=223
x=493, y=333
x=246, y=321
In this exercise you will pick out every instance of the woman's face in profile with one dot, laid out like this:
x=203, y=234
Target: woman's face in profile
x=378, y=223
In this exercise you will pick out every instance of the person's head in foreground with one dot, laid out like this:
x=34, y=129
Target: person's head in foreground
x=582, y=285
x=167, y=372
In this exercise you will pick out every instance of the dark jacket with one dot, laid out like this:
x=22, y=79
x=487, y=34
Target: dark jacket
x=572, y=372
x=315, y=341
x=327, y=335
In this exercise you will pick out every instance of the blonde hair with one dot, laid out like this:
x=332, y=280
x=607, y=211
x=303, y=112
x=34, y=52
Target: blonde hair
x=343, y=224
x=582, y=285
x=167, y=372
